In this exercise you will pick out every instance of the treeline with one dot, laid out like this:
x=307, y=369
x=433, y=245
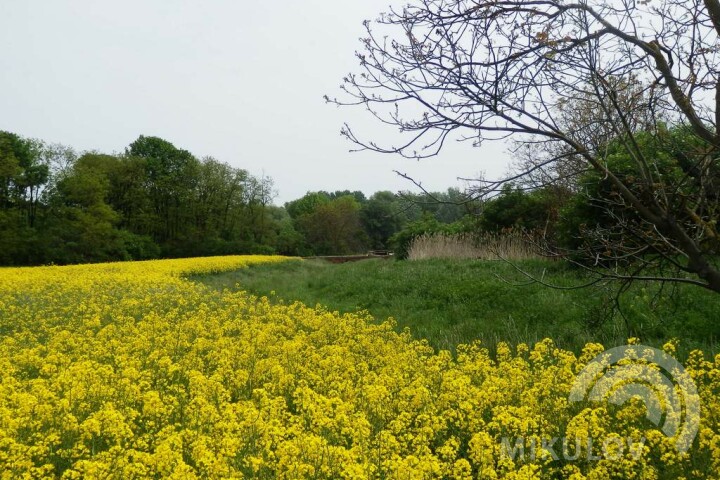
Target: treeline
x=156, y=200
x=153, y=200
x=341, y=222
x=570, y=210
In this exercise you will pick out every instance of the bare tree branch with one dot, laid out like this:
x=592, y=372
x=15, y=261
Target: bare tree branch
x=580, y=83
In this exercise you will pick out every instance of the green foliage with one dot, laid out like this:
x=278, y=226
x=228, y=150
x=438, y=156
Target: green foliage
x=357, y=195
x=158, y=200
x=172, y=174
x=138, y=247
x=19, y=243
x=283, y=236
x=154, y=200
x=22, y=175
x=599, y=205
x=334, y=227
x=327, y=227
x=382, y=217
x=447, y=207
x=307, y=204
x=514, y=208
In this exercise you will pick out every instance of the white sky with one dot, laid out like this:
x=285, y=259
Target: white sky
x=238, y=80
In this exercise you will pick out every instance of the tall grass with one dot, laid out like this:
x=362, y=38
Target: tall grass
x=487, y=246
x=452, y=301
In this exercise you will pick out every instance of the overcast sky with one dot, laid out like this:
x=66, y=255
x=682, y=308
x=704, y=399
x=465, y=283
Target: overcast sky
x=240, y=81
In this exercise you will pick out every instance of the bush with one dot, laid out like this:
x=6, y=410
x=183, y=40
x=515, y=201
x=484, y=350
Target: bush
x=139, y=247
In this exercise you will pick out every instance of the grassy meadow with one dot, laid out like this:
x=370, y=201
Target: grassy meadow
x=449, y=302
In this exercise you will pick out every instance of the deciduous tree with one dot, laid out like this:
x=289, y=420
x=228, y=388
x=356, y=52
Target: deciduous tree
x=570, y=79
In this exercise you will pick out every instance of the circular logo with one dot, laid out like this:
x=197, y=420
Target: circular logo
x=657, y=379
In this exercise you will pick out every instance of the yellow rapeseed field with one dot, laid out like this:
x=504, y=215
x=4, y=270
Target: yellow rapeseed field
x=128, y=370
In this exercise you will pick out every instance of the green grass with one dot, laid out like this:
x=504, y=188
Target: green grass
x=449, y=302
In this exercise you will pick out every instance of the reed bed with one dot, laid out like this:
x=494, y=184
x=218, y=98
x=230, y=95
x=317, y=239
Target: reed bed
x=486, y=246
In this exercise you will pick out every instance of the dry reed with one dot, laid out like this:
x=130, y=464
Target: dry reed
x=487, y=246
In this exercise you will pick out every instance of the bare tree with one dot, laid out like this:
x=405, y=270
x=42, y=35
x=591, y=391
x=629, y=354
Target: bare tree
x=573, y=80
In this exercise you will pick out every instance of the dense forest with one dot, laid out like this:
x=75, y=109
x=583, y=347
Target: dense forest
x=157, y=200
